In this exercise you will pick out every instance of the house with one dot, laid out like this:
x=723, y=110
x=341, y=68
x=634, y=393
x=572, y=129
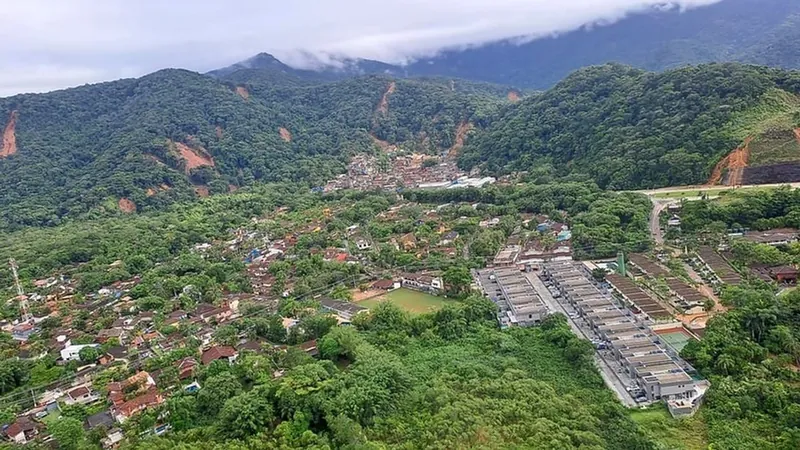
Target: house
x=385, y=285
x=186, y=368
x=781, y=274
x=72, y=352
x=81, y=395
x=116, y=353
x=781, y=236
x=674, y=221
x=113, y=333
x=131, y=407
x=175, y=317
x=449, y=238
x=310, y=347
x=23, y=331
x=207, y=313
x=113, y=439
x=408, y=241
x=219, y=352
x=345, y=311
x=140, y=382
x=422, y=282
x=21, y=431
x=102, y=419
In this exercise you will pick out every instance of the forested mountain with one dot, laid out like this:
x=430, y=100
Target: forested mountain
x=627, y=128
x=150, y=141
x=751, y=31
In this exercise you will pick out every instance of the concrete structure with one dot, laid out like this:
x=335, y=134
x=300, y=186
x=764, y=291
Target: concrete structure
x=659, y=373
x=72, y=352
x=518, y=301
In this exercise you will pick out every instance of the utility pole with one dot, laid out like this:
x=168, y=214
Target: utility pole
x=23, y=300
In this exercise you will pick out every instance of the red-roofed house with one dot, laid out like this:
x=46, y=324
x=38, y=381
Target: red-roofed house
x=149, y=399
x=219, y=352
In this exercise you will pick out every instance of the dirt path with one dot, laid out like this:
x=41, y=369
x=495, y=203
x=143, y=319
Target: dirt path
x=513, y=96
x=10, y=136
x=735, y=162
x=383, y=106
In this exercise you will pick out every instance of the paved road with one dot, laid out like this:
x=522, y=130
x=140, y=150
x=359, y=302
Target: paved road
x=712, y=188
x=655, y=225
x=610, y=377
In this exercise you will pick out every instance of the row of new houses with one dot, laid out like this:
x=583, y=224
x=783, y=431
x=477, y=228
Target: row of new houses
x=659, y=372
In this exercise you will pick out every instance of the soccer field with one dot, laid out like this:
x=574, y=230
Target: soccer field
x=412, y=301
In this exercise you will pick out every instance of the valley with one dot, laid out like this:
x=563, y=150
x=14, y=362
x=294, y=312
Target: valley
x=600, y=251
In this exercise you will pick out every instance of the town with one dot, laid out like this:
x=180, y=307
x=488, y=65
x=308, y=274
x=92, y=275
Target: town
x=114, y=355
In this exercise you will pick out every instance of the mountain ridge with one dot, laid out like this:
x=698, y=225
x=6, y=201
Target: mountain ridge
x=655, y=39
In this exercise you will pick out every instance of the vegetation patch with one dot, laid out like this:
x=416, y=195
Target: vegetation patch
x=414, y=302
x=669, y=433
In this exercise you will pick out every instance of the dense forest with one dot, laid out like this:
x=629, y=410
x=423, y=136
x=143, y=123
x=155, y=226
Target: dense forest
x=750, y=355
x=626, y=128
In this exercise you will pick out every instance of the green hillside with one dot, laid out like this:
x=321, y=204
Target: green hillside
x=82, y=150
x=628, y=128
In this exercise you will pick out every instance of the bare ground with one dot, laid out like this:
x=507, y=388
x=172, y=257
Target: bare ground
x=10, y=136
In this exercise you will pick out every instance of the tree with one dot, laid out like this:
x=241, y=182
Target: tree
x=341, y=292
x=246, y=414
x=216, y=390
x=68, y=432
x=599, y=274
x=457, y=281
x=89, y=354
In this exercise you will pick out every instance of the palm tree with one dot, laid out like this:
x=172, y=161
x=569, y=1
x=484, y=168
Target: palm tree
x=725, y=363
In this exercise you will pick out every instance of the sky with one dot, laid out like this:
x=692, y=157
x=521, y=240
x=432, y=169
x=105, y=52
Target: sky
x=52, y=44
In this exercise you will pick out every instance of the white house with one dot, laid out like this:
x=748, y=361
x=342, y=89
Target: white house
x=72, y=352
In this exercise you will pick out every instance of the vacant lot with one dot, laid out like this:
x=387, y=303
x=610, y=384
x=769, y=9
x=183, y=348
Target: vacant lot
x=686, y=434
x=411, y=301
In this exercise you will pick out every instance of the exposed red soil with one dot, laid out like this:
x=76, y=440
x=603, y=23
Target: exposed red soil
x=735, y=162
x=286, y=135
x=201, y=191
x=797, y=134
x=194, y=157
x=461, y=134
x=243, y=92
x=383, y=145
x=383, y=106
x=155, y=190
x=126, y=205
x=513, y=96
x=232, y=188
x=10, y=136
x=219, y=132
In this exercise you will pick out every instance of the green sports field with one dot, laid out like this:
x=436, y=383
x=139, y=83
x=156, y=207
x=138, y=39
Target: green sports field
x=412, y=301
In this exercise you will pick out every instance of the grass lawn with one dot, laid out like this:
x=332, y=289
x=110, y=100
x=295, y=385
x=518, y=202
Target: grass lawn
x=412, y=301
x=686, y=434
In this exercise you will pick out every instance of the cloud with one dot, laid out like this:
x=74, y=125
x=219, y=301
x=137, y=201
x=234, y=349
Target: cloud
x=46, y=45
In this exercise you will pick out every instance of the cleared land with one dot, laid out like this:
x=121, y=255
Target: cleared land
x=412, y=301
